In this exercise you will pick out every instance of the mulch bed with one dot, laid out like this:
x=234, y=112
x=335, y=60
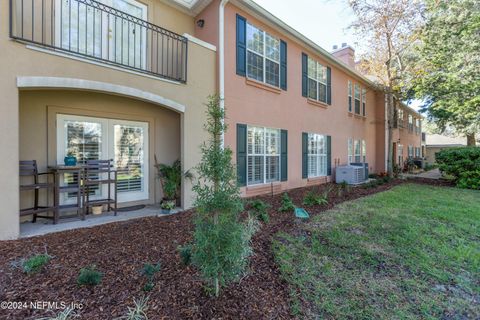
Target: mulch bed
x=119, y=250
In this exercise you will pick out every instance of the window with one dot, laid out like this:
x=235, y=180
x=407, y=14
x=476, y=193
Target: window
x=364, y=151
x=417, y=152
x=400, y=154
x=410, y=151
x=126, y=142
x=263, y=56
x=350, y=98
x=317, y=155
x=400, y=118
x=357, y=151
x=364, y=102
x=350, y=151
x=357, y=98
x=417, y=126
x=410, y=123
x=263, y=155
x=317, y=81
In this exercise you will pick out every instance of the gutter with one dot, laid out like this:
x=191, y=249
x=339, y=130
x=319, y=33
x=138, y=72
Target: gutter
x=221, y=54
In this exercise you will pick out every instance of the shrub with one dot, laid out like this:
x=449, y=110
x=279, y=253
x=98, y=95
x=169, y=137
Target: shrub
x=259, y=209
x=287, y=203
x=149, y=270
x=314, y=199
x=139, y=312
x=185, y=254
x=221, y=240
x=89, y=276
x=461, y=163
x=35, y=263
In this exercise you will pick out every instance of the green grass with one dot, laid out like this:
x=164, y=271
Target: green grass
x=408, y=253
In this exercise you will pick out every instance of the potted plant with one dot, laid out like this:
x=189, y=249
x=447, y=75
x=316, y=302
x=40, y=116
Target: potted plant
x=171, y=180
x=70, y=159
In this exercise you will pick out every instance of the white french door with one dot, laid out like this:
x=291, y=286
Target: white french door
x=85, y=29
x=126, y=142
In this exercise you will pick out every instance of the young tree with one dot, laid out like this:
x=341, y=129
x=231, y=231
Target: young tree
x=221, y=241
x=386, y=28
x=447, y=73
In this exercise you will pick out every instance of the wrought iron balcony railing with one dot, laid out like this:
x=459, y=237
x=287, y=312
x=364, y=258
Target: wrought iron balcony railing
x=93, y=30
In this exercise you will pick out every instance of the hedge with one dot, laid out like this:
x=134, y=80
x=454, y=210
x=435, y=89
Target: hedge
x=463, y=164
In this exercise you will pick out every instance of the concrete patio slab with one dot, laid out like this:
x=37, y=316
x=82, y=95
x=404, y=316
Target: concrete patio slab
x=44, y=226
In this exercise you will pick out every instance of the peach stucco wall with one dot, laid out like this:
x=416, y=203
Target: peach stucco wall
x=252, y=104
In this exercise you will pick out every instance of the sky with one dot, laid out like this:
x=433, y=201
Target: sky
x=326, y=22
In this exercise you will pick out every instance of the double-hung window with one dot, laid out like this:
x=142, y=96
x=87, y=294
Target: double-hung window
x=350, y=97
x=364, y=151
x=410, y=151
x=417, y=126
x=317, y=155
x=263, y=155
x=357, y=98
x=350, y=150
x=263, y=56
x=358, y=150
x=317, y=81
x=364, y=102
x=400, y=118
x=400, y=154
x=410, y=123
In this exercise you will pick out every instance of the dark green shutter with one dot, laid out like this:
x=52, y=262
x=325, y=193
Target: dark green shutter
x=304, y=75
x=329, y=155
x=242, y=154
x=283, y=65
x=284, y=155
x=304, y=155
x=241, y=45
x=329, y=85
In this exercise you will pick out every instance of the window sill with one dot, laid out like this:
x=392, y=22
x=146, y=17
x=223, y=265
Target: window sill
x=317, y=103
x=262, y=85
x=356, y=115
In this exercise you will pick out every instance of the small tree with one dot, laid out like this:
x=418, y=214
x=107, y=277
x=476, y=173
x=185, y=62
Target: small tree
x=221, y=240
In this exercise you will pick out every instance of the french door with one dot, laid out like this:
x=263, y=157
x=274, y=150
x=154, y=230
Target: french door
x=84, y=28
x=126, y=142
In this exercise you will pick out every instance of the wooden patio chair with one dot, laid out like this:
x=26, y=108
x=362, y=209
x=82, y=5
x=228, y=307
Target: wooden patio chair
x=98, y=173
x=30, y=169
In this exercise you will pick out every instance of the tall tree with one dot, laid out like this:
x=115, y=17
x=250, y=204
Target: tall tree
x=387, y=30
x=447, y=71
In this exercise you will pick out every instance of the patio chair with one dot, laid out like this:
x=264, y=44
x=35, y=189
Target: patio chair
x=100, y=174
x=29, y=169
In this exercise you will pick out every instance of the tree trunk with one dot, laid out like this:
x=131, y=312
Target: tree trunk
x=471, y=140
x=389, y=124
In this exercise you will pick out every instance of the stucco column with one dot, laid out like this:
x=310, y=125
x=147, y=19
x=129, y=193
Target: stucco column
x=9, y=137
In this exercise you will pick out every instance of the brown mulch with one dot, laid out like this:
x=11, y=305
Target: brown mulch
x=119, y=250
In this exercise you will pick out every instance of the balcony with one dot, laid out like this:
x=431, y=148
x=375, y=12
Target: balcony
x=92, y=30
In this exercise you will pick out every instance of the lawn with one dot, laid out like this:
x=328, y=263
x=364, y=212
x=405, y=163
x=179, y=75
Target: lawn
x=408, y=253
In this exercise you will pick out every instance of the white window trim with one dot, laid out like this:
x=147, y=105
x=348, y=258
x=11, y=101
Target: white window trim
x=265, y=155
x=359, y=99
x=319, y=156
x=350, y=96
x=317, y=81
x=264, y=57
x=107, y=149
x=364, y=102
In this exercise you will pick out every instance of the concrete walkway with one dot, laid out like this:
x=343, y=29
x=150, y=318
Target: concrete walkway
x=432, y=174
x=44, y=226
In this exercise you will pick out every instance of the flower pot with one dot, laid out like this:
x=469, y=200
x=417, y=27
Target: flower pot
x=167, y=206
x=96, y=210
x=165, y=211
x=70, y=161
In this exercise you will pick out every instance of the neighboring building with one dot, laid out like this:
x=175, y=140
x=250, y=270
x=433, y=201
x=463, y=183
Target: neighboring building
x=438, y=142
x=294, y=111
x=80, y=76
x=407, y=135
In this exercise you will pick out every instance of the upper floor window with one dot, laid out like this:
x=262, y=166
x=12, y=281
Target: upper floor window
x=317, y=81
x=263, y=155
x=400, y=117
x=350, y=98
x=317, y=155
x=364, y=102
x=263, y=56
x=357, y=98
x=418, y=125
x=410, y=122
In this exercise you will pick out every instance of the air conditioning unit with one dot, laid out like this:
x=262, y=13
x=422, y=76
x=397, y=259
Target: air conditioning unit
x=350, y=174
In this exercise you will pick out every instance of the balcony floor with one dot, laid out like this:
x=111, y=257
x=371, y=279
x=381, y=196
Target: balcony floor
x=44, y=226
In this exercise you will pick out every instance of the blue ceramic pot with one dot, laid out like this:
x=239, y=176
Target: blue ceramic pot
x=70, y=161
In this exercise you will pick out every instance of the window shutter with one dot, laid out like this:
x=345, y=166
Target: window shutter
x=329, y=155
x=283, y=65
x=242, y=154
x=241, y=45
x=304, y=155
x=329, y=85
x=284, y=155
x=304, y=75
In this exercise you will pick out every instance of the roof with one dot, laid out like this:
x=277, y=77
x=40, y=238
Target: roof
x=438, y=140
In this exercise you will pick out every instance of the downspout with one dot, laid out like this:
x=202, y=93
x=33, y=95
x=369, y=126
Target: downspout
x=386, y=135
x=221, y=54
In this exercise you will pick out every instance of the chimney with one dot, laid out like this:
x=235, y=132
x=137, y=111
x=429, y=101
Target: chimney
x=346, y=54
x=335, y=47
